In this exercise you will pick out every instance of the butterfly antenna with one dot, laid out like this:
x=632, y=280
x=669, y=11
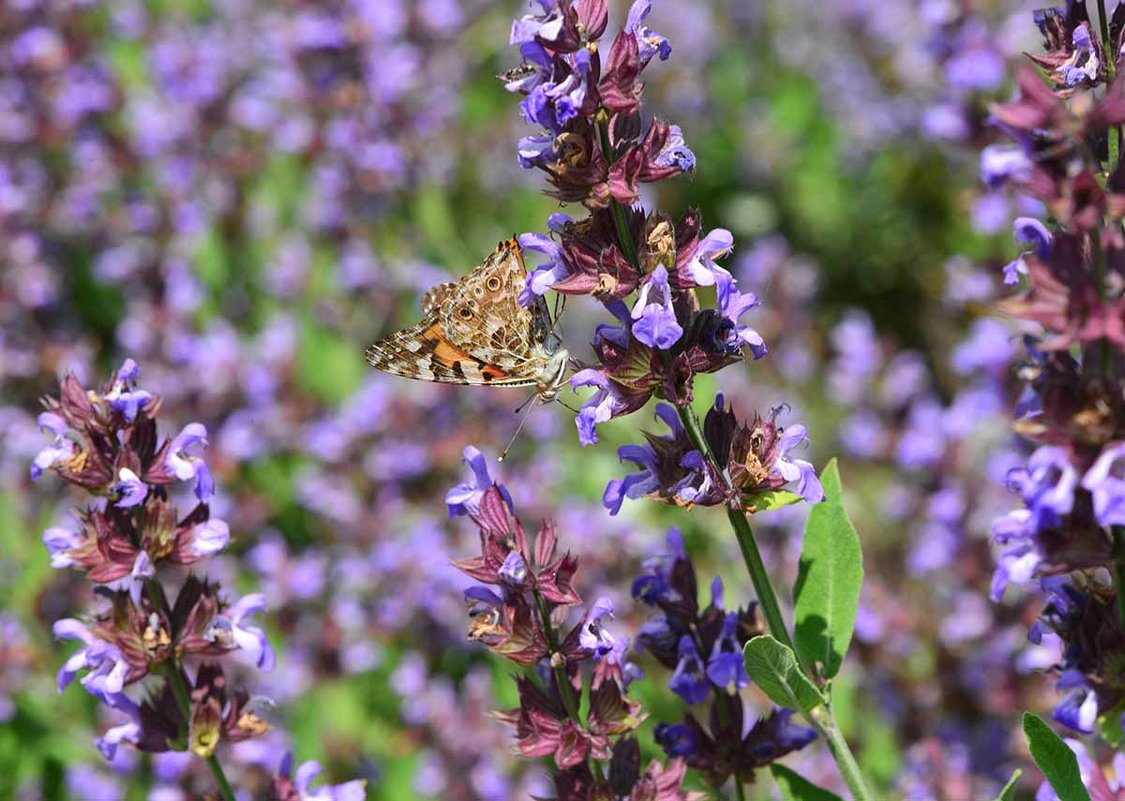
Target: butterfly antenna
x=566, y=405
x=525, y=407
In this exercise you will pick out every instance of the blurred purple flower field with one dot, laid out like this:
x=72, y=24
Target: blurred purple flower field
x=229, y=546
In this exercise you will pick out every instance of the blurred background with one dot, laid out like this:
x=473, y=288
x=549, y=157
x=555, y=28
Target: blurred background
x=242, y=194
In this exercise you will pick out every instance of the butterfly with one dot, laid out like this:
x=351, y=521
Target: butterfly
x=474, y=331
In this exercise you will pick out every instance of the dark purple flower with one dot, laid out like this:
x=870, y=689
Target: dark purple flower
x=1079, y=708
x=634, y=485
x=677, y=739
x=725, y=667
x=689, y=679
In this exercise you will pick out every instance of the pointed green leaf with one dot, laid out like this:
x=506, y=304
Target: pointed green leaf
x=1055, y=759
x=796, y=788
x=826, y=593
x=1009, y=791
x=774, y=667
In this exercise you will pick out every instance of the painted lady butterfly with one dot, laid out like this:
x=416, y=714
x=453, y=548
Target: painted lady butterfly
x=474, y=331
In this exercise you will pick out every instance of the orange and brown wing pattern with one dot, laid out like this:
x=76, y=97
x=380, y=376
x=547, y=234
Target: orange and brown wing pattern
x=474, y=331
x=424, y=353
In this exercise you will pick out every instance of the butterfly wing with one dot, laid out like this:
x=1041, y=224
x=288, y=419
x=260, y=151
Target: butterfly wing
x=483, y=314
x=423, y=352
x=474, y=330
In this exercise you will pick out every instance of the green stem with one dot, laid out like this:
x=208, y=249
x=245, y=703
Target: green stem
x=739, y=790
x=1119, y=570
x=822, y=718
x=1107, y=46
x=175, y=678
x=566, y=692
x=824, y=722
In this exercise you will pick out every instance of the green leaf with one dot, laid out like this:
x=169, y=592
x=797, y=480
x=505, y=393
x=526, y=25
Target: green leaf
x=1055, y=759
x=795, y=788
x=831, y=572
x=774, y=667
x=1009, y=791
x=770, y=499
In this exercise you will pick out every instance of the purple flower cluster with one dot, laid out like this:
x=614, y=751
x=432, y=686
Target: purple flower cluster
x=703, y=649
x=1068, y=527
x=595, y=150
x=526, y=590
x=158, y=662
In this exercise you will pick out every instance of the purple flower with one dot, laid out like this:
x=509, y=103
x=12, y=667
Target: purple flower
x=107, y=667
x=677, y=739
x=514, y=569
x=1106, y=482
x=789, y=735
x=655, y=323
x=1047, y=485
x=1000, y=164
x=1028, y=231
x=58, y=451
x=1083, y=62
x=464, y=498
x=689, y=679
x=655, y=586
x=124, y=396
x=599, y=407
x=732, y=305
x=702, y=268
x=209, y=537
x=230, y=631
x=130, y=489
x=1016, y=565
x=634, y=485
x=1079, y=708
x=596, y=639
x=185, y=463
x=306, y=775
x=545, y=275
x=725, y=667
x=59, y=542
x=649, y=43
x=797, y=470
x=546, y=26
x=617, y=334
x=697, y=482
x=675, y=152
x=129, y=732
